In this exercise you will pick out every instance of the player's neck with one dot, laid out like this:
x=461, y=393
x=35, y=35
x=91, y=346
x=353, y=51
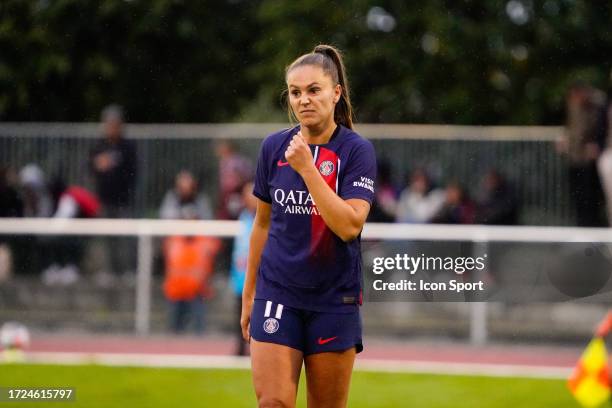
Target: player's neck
x=319, y=135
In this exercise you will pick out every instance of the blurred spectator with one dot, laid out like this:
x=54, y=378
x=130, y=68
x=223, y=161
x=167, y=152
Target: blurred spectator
x=6, y=262
x=73, y=201
x=385, y=203
x=239, y=258
x=457, y=207
x=582, y=143
x=113, y=164
x=10, y=202
x=64, y=253
x=185, y=193
x=419, y=201
x=497, y=202
x=189, y=265
x=234, y=171
x=36, y=198
x=604, y=165
x=10, y=206
x=37, y=202
x=189, y=261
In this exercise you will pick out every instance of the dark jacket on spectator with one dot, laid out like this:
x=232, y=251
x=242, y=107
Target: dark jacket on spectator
x=498, y=206
x=10, y=203
x=115, y=187
x=455, y=214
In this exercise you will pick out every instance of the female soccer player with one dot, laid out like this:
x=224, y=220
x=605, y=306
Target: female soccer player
x=315, y=185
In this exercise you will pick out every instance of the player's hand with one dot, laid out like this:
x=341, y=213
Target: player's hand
x=298, y=154
x=605, y=326
x=245, y=319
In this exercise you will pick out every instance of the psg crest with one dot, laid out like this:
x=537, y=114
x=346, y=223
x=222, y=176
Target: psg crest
x=271, y=325
x=326, y=168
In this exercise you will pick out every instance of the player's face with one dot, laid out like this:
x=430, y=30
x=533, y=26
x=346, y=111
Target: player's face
x=312, y=95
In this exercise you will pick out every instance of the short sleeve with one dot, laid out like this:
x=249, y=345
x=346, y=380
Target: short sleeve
x=261, y=189
x=359, y=173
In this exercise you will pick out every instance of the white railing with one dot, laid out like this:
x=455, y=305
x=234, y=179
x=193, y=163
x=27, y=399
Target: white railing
x=259, y=130
x=145, y=230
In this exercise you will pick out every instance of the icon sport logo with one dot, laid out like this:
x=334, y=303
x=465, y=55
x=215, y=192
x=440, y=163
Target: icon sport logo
x=282, y=163
x=326, y=168
x=270, y=326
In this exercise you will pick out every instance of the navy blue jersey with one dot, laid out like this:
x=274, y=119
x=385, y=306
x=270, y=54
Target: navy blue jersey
x=304, y=264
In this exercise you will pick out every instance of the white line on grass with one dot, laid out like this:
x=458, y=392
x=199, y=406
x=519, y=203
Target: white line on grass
x=472, y=369
x=232, y=362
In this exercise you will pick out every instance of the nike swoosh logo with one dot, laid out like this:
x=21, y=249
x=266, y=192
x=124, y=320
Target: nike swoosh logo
x=281, y=163
x=325, y=341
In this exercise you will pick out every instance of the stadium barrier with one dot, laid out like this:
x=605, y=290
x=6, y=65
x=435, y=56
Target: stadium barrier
x=460, y=153
x=145, y=230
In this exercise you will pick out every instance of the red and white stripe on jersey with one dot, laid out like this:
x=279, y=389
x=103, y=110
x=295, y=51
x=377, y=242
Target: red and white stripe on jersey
x=322, y=155
x=322, y=243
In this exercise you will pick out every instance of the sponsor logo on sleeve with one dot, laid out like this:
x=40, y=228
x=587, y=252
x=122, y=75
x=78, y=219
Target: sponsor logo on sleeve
x=364, y=182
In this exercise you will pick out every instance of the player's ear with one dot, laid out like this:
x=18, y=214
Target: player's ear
x=337, y=93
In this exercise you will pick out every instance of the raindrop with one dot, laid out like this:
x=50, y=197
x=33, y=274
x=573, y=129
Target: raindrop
x=499, y=80
x=517, y=12
x=519, y=52
x=430, y=43
x=378, y=19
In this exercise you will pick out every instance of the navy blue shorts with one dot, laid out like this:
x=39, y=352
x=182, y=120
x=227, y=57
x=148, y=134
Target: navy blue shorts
x=304, y=330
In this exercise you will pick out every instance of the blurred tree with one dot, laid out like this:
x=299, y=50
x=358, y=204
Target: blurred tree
x=165, y=60
x=441, y=61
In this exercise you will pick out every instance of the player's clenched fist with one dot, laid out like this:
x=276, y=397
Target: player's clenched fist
x=298, y=154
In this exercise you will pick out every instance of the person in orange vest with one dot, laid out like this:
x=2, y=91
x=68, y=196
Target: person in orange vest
x=189, y=265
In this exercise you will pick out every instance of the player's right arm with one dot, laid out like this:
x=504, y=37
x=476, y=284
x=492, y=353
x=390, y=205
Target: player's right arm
x=259, y=236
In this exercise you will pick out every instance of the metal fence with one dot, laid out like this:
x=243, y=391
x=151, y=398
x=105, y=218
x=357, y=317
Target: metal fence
x=531, y=319
x=463, y=153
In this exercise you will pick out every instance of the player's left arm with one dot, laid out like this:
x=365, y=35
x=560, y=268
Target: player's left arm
x=344, y=217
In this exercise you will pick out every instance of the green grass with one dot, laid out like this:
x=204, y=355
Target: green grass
x=99, y=386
